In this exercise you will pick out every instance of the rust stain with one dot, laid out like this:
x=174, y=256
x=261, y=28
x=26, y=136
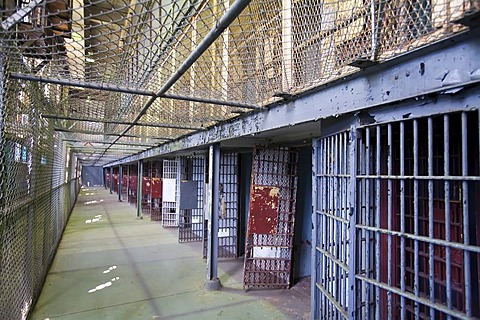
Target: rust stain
x=263, y=218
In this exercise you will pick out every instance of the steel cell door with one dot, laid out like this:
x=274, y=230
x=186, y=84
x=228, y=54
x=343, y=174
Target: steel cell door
x=271, y=219
x=170, y=205
x=332, y=234
x=192, y=177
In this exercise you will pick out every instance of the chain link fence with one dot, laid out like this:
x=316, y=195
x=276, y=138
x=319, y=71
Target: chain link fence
x=122, y=75
x=38, y=187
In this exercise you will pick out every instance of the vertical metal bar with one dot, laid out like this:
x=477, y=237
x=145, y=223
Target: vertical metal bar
x=128, y=181
x=352, y=264
x=111, y=180
x=343, y=207
x=402, y=218
x=336, y=211
x=104, y=180
x=120, y=182
x=328, y=227
x=389, y=217
x=377, y=222
x=374, y=30
x=313, y=262
x=345, y=213
x=415, y=216
x=324, y=208
x=446, y=168
x=466, y=214
x=139, y=187
x=213, y=283
x=431, y=247
x=367, y=193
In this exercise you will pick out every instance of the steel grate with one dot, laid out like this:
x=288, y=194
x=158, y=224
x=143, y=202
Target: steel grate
x=396, y=220
x=332, y=233
x=170, y=201
x=190, y=228
x=271, y=220
x=228, y=219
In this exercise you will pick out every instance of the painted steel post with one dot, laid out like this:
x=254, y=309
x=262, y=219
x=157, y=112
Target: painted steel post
x=111, y=180
x=313, y=287
x=212, y=282
x=128, y=183
x=139, y=188
x=120, y=182
x=352, y=297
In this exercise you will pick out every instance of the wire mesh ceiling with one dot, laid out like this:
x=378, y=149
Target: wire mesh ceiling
x=119, y=77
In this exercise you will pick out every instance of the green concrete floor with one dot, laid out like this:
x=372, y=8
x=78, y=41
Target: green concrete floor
x=110, y=265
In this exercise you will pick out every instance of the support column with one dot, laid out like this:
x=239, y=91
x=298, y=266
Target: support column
x=111, y=180
x=139, y=189
x=128, y=182
x=212, y=282
x=120, y=182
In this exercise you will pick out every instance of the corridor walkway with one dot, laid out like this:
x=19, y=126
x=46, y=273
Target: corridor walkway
x=110, y=265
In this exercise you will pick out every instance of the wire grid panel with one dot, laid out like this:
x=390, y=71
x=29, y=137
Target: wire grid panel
x=417, y=233
x=170, y=205
x=273, y=47
x=270, y=230
x=35, y=194
x=332, y=205
x=191, y=223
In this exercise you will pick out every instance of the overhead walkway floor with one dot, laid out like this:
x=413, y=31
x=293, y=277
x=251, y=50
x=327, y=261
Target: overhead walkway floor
x=110, y=265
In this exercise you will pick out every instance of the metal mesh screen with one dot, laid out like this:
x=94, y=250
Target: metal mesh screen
x=125, y=76
x=190, y=228
x=271, y=219
x=38, y=187
x=410, y=247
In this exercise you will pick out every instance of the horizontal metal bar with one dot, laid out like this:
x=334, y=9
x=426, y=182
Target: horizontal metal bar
x=109, y=134
x=129, y=90
x=439, y=242
x=210, y=101
x=412, y=297
x=400, y=177
x=81, y=84
x=333, y=301
x=332, y=258
x=327, y=214
x=108, y=142
x=154, y=125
